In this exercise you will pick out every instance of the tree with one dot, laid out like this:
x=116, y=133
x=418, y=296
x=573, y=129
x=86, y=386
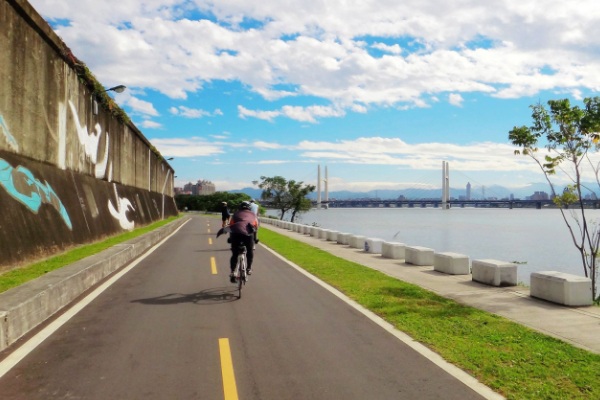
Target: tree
x=285, y=195
x=571, y=136
x=211, y=202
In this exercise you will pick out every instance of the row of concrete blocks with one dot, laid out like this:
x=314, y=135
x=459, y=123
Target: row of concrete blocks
x=554, y=286
x=25, y=307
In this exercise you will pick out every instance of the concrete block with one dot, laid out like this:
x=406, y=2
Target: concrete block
x=3, y=329
x=323, y=234
x=452, y=263
x=373, y=245
x=418, y=255
x=332, y=236
x=343, y=238
x=494, y=272
x=393, y=250
x=357, y=241
x=561, y=288
x=314, y=231
x=307, y=229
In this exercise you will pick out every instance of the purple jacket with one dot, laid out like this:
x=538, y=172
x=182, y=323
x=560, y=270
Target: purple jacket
x=240, y=221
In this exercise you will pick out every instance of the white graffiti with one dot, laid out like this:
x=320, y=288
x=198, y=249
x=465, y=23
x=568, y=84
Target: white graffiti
x=120, y=211
x=9, y=137
x=91, y=143
x=103, y=168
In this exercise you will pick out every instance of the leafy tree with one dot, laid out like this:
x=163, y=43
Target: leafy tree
x=570, y=135
x=211, y=202
x=285, y=195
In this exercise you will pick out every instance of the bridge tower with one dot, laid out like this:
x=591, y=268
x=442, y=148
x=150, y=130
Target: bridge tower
x=319, y=186
x=445, y=185
x=326, y=182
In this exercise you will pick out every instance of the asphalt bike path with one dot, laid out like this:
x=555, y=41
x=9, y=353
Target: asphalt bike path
x=171, y=327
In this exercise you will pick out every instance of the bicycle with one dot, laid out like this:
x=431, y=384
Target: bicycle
x=240, y=271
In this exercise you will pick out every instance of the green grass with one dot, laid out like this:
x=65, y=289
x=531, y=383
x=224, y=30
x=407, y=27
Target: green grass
x=24, y=274
x=511, y=359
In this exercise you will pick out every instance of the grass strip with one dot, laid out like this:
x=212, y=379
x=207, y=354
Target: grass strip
x=27, y=273
x=513, y=360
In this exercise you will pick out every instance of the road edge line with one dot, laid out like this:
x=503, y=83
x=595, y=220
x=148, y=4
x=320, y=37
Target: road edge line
x=435, y=358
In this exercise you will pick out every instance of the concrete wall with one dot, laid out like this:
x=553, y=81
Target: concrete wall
x=70, y=172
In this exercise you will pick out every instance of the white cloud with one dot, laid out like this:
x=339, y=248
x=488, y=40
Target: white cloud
x=393, y=49
x=507, y=49
x=264, y=115
x=193, y=113
x=140, y=106
x=455, y=99
x=189, y=147
x=298, y=113
x=150, y=124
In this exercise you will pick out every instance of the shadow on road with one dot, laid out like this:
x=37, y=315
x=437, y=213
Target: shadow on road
x=204, y=297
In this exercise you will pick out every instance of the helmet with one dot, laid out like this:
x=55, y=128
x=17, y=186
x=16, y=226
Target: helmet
x=245, y=205
x=252, y=200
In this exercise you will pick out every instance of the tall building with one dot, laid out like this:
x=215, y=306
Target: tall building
x=468, y=190
x=205, y=187
x=201, y=188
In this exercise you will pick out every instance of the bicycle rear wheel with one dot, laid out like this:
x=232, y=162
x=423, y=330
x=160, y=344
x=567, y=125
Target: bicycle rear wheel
x=241, y=273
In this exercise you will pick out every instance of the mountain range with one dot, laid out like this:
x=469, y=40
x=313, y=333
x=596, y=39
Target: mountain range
x=477, y=192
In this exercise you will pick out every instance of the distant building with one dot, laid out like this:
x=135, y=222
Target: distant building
x=201, y=188
x=468, y=190
x=539, y=196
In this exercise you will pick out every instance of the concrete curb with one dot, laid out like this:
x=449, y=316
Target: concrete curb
x=25, y=307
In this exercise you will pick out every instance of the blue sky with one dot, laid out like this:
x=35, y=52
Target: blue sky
x=379, y=92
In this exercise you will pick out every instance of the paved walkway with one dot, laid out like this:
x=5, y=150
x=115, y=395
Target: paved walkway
x=579, y=326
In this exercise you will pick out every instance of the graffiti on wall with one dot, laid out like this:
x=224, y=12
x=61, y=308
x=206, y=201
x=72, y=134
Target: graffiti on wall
x=22, y=185
x=119, y=212
x=91, y=145
x=12, y=143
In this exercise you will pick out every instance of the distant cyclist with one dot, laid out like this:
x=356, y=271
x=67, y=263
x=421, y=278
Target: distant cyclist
x=242, y=226
x=225, y=216
x=254, y=209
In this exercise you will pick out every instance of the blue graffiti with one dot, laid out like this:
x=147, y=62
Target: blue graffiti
x=37, y=193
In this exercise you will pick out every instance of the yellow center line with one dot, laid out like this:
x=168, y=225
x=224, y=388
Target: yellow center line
x=213, y=265
x=209, y=240
x=229, y=386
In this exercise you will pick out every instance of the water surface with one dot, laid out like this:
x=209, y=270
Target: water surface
x=537, y=239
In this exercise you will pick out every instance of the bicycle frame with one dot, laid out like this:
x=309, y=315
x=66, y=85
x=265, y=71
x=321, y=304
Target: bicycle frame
x=240, y=269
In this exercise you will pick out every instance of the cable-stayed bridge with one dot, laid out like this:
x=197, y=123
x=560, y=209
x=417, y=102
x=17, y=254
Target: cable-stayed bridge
x=441, y=199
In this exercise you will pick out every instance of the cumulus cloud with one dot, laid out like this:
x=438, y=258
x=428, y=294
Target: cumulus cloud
x=148, y=124
x=455, y=99
x=187, y=112
x=189, y=147
x=298, y=113
x=140, y=106
x=321, y=49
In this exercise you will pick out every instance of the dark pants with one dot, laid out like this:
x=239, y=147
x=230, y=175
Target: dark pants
x=236, y=240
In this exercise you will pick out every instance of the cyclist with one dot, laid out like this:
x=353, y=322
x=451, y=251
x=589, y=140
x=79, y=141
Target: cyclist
x=225, y=216
x=254, y=209
x=242, y=226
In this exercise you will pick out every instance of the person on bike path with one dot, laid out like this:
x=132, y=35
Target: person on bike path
x=242, y=226
x=254, y=209
x=225, y=216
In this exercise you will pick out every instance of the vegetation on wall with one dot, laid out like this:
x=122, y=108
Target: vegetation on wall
x=87, y=78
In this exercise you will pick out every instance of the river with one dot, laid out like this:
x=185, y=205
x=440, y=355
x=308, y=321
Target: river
x=538, y=240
